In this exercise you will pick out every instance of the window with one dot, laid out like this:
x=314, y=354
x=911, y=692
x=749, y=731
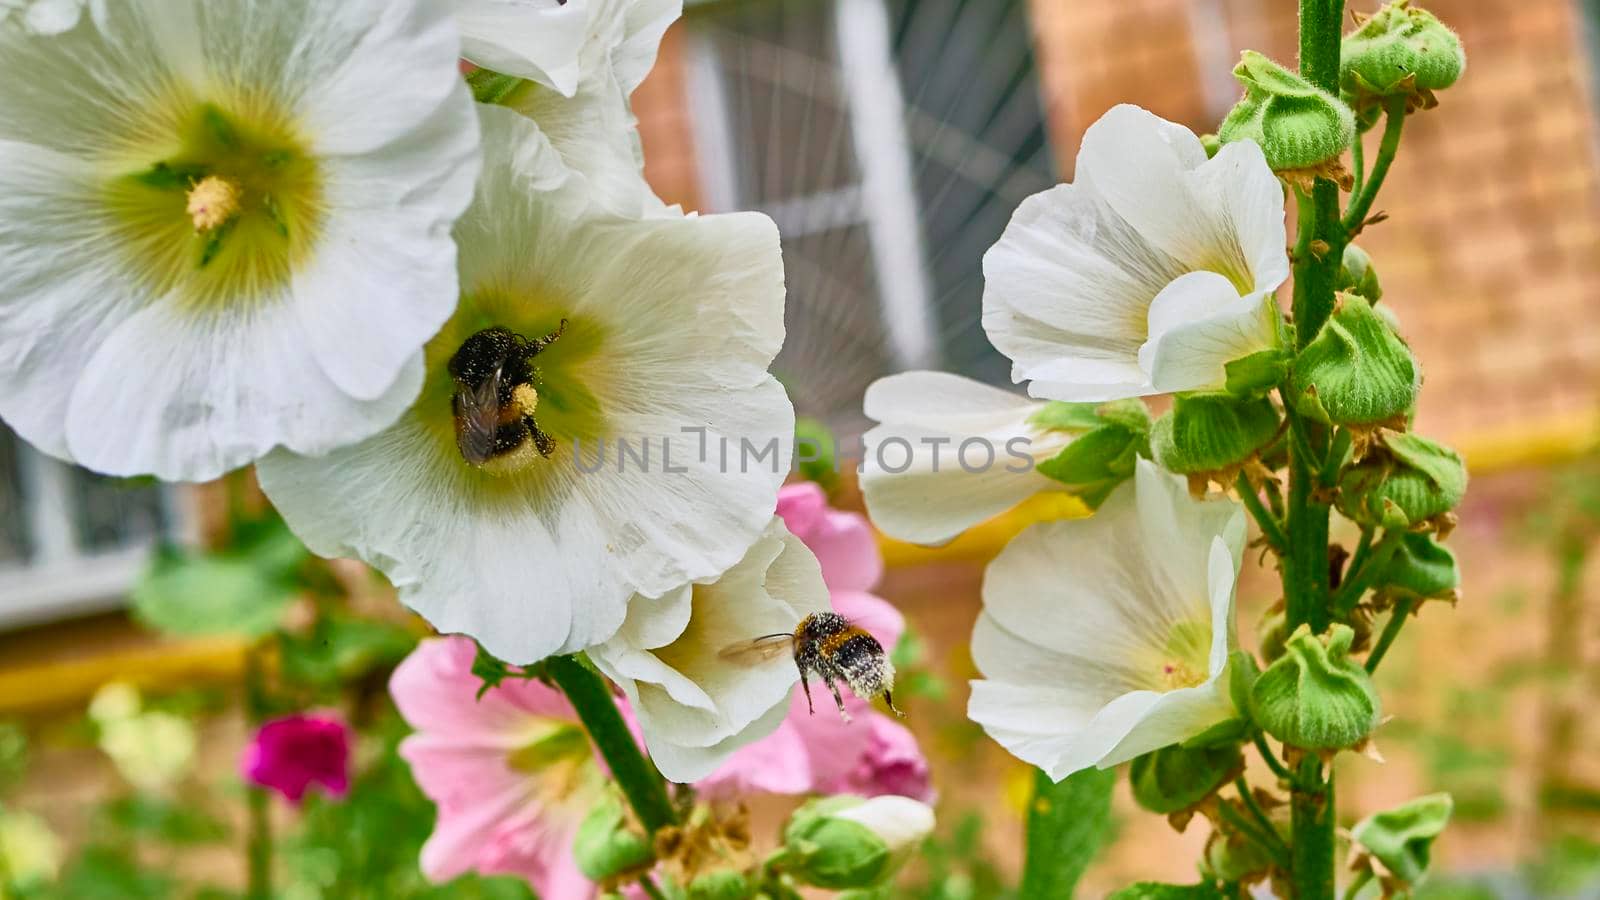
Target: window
x=71, y=541
x=890, y=140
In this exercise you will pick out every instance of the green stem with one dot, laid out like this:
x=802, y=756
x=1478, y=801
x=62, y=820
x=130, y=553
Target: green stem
x=1362, y=577
x=1329, y=477
x=1305, y=573
x=650, y=889
x=1394, y=120
x=1361, y=881
x=1256, y=812
x=1270, y=529
x=1253, y=832
x=1397, y=621
x=258, y=837
x=1312, y=842
x=1272, y=760
x=1358, y=164
x=633, y=771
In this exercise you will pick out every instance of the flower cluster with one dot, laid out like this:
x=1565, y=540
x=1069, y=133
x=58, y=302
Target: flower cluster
x=1111, y=637
x=400, y=255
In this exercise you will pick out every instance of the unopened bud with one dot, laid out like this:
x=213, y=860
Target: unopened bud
x=606, y=848
x=1399, y=51
x=1174, y=778
x=1301, y=129
x=1357, y=276
x=722, y=885
x=1421, y=569
x=846, y=842
x=1356, y=371
x=1315, y=697
x=1212, y=436
x=1406, y=482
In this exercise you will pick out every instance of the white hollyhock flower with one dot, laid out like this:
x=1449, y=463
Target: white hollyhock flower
x=950, y=452
x=583, y=60
x=559, y=43
x=695, y=704
x=225, y=225
x=1147, y=274
x=1108, y=637
x=529, y=528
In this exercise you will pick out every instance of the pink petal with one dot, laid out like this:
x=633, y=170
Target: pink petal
x=436, y=691
x=844, y=542
x=894, y=763
x=777, y=764
x=290, y=754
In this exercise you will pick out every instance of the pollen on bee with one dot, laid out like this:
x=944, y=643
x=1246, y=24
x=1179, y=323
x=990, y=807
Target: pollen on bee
x=525, y=398
x=213, y=201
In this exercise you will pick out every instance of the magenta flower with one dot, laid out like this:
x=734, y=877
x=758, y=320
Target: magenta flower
x=821, y=753
x=290, y=754
x=512, y=773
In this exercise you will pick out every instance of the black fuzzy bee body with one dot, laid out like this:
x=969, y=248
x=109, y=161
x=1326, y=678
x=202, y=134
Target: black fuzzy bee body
x=496, y=395
x=831, y=647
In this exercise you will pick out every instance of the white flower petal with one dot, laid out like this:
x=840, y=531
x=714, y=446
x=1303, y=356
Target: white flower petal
x=918, y=484
x=219, y=405
x=1092, y=628
x=537, y=39
x=1071, y=284
x=696, y=703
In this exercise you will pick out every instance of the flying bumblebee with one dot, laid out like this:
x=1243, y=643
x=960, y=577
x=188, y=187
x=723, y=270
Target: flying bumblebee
x=829, y=646
x=495, y=398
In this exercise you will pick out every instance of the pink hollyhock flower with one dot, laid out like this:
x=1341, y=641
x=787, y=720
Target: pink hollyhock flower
x=512, y=773
x=843, y=542
x=822, y=753
x=290, y=754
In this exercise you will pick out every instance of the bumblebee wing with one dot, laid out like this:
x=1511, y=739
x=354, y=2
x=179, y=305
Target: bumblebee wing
x=478, y=419
x=757, y=650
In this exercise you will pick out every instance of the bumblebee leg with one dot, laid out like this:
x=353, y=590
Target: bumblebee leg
x=889, y=699
x=538, y=344
x=542, y=442
x=806, y=685
x=838, y=700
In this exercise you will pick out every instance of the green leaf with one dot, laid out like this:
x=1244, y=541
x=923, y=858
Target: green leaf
x=1108, y=452
x=1257, y=373
x=191, y=595
x=341, y=649
x=1151, y=890
x=1066, y=824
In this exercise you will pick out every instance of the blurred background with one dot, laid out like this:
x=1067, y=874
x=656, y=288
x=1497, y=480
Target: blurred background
x=890, y=140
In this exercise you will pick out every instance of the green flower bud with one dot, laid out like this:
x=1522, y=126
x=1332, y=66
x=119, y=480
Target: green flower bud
x=723, y=885
x=605, y=847
x=1356, y=371
x=1406, y=482
x=1400, y=51
x=1110, y=439
x=1212, y=436
x=1174, y=779
x=1316, y=697
x=1421, y=569
x=1401, y=839
x=1356, y=275
x=1298, y=126
x=1211, y=143
x=846, y=842
x=1232, y=857
x=1272, y=632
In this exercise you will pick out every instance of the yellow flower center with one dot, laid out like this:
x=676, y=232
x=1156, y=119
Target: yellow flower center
x=560, y=757
x=216, y=204
x=213, y=203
